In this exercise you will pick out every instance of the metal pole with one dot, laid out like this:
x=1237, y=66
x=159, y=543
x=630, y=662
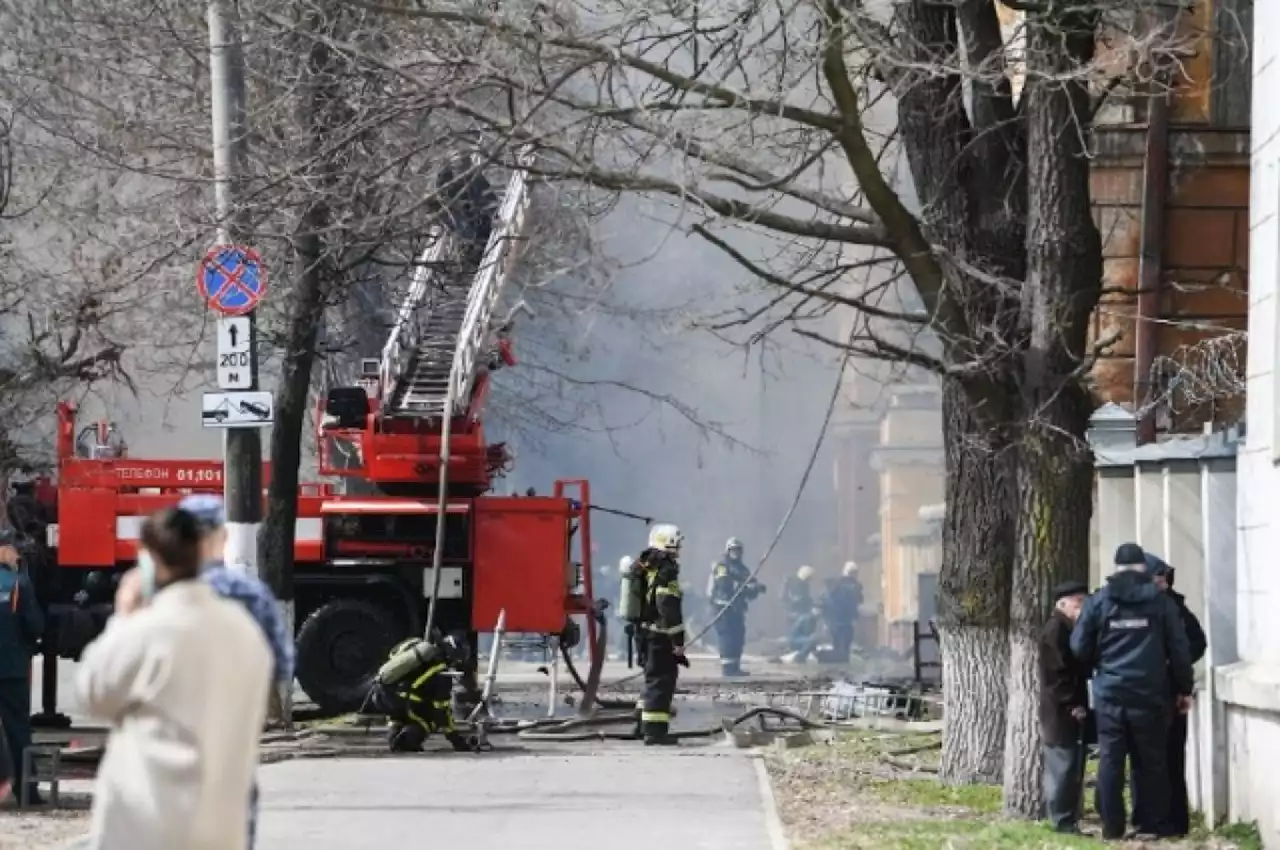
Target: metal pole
x=242, y=475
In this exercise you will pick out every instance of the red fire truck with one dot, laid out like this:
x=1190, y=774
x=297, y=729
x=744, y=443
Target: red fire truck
x=365, y=543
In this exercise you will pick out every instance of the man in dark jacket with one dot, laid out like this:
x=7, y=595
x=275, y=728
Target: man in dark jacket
x=1064, y=704
x=1179, y=808
x=21, y=625
x=1131, y=635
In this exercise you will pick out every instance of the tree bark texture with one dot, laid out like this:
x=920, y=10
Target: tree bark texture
x=1055, y=467
x=319, y=110
x=969, y=169
x=973, y=598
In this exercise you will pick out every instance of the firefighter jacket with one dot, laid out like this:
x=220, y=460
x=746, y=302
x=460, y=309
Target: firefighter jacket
x=423, y=697
x=732, y=586
x=21, y=624
x=663, y=610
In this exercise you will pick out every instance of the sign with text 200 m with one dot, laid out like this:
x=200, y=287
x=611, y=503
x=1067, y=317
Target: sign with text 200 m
x=235, y=353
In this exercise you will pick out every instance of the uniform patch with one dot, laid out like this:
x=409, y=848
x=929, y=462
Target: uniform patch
x=1132, y=623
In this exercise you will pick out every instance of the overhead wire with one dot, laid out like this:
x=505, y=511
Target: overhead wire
x=845, y=357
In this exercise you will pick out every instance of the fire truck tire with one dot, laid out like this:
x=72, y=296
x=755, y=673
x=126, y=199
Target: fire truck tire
x=339, y=647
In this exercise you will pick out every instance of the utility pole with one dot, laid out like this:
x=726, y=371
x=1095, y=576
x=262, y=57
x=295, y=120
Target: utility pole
x=242, y=449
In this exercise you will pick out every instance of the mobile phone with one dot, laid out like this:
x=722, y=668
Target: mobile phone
x=147, y=575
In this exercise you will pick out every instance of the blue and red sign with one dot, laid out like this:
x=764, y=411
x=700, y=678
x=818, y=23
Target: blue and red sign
x=232, y=279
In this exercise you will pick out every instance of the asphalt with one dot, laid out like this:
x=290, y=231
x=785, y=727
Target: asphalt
x=628, y=798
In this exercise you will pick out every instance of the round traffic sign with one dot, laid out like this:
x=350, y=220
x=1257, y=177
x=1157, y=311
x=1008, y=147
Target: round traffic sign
x=232, y=279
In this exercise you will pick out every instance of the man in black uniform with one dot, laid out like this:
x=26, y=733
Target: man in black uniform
x=414, y=690
x=1131, y=635
x=661, y=634
x=732, y=588
x=1179, y=807
x=21, y=625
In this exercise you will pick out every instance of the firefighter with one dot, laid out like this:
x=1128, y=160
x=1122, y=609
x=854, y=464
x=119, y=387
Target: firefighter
x=840, y=610
x=802, y=616
x=732, y=588
x=21, y=625
x=470, y=204
x=660, y=631
x=414, y=690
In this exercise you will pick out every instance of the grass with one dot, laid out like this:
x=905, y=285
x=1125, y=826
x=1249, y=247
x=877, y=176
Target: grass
x=871, y=791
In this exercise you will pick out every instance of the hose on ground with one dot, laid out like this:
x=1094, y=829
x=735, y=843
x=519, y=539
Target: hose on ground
x=591, y=728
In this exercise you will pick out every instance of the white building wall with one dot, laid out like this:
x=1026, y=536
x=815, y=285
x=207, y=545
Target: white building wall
x=1250, y=688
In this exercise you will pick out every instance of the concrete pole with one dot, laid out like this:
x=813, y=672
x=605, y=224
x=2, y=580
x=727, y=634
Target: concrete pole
x=242, y=476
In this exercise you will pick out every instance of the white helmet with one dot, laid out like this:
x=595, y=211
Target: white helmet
x=666, y=537
x=625, y=562
x=804, y=573
x=850, y=568
x=732, y=543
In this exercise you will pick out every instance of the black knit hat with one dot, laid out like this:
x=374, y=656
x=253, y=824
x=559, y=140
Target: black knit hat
x=1130, y=554
x=1070, y=588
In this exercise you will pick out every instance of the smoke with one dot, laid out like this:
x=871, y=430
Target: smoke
x=756, y=411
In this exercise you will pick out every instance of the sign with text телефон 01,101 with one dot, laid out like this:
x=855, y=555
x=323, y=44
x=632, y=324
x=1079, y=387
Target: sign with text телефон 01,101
x=235, y=353
x=232, y=279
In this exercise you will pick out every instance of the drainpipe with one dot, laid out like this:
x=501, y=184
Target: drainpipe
x=1155, y=181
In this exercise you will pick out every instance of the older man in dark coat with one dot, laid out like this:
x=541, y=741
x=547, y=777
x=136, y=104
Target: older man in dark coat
x=1064, y=705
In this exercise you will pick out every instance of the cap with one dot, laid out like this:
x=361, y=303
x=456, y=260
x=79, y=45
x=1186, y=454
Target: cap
x=1156, y=565
x=1130, y=554
x=1070, y=588
x=206, y=508
x=8, y=537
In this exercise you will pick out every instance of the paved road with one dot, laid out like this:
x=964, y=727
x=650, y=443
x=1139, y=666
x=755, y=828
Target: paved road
x=624, y=798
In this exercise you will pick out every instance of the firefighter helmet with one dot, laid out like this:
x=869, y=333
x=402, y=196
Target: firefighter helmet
x=850, y=568
x=731, y=544
x=804, y=573
x=625, y=562
x=666, y=537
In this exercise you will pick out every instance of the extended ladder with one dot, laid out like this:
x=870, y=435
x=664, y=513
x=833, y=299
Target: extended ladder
x=441, y=335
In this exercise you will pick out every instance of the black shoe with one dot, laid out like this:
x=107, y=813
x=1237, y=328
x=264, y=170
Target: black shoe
x=1067, y=829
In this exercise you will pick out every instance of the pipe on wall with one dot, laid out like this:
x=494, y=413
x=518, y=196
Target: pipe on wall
x=1155, y=183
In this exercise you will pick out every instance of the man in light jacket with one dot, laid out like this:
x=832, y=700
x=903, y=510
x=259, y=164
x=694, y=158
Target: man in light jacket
x=182, y=676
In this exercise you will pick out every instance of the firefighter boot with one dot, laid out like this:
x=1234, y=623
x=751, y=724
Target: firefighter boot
x=658, y=735
x=406, y=738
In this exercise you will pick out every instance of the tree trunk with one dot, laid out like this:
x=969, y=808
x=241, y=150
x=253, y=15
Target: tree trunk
x=973, y=598
x=307, y=299
x=1055, y=469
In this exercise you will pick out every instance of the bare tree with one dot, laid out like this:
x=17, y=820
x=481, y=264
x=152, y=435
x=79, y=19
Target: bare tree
x=779, y=120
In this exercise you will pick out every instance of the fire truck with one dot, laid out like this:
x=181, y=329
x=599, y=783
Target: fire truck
x=408, y=464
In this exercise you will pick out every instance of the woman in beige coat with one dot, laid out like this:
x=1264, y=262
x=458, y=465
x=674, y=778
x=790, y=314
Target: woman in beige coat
x=182, y=677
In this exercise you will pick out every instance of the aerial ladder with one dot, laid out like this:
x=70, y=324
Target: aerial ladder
x=442, y=339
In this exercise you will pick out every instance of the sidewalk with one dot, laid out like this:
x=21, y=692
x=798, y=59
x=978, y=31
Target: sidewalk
x=583, y=798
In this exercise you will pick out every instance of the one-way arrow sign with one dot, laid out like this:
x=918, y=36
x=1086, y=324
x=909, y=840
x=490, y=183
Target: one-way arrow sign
x=235, y=353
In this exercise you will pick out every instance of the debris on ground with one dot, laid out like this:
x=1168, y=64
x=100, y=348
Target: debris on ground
x=44, y=827
x=879, y=791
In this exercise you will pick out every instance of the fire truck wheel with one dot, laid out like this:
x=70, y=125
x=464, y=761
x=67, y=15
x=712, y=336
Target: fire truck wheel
x=339, y=646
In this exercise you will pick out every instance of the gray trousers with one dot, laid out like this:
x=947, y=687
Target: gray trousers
x=1063, y=784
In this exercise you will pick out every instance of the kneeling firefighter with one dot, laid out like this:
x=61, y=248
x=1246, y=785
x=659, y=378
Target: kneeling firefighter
x=413, y=689
x=651, y=603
